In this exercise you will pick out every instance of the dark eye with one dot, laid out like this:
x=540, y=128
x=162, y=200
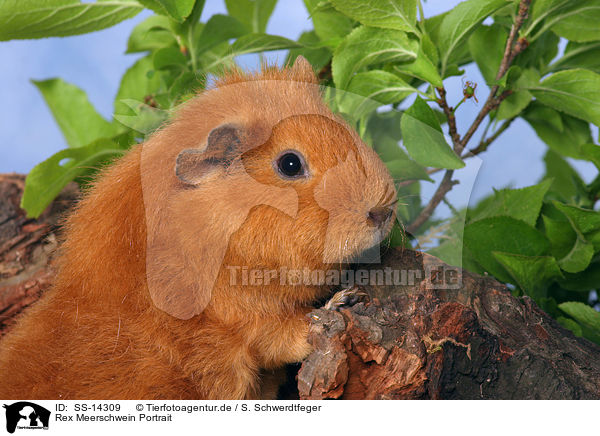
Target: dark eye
x=291, y=165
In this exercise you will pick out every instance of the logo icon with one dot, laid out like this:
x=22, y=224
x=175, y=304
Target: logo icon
x=26, y=415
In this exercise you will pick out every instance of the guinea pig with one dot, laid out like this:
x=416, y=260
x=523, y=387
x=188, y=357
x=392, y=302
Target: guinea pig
x=152, y=298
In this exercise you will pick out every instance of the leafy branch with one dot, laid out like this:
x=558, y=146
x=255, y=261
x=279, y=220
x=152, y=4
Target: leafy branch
x=493, y=101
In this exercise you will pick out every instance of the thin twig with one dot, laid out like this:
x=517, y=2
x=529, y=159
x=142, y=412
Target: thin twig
x=445, y=186
x=484, y=144
x=429, y=172
x=491, y=103
x=485, y=131
x=449, y=112
x=511, y=50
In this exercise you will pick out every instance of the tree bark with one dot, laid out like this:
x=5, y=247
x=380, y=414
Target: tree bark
x=426, y=340
x=26, y=247
x=437, y=332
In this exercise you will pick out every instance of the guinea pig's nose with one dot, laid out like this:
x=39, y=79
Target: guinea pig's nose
x=379, y=215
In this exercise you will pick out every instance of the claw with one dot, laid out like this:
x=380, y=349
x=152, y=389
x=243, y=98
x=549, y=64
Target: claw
x=346, y=298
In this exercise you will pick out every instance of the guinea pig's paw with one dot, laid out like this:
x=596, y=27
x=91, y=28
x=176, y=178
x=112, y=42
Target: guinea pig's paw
x=346, y=298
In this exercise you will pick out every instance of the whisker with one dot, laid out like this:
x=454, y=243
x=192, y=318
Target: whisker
x=391, y=204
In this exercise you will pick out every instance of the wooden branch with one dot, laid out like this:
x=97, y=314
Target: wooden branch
x=445, y=186
x=485, y=143
x=26, y=247
x=511, y=50
x=449, y=112
x=491, y=103
x=445, y=334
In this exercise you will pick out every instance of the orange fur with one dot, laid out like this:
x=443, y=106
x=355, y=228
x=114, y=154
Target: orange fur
x=140, y=242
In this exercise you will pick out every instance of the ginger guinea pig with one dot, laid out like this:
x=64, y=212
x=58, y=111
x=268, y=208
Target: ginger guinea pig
x=157, y=293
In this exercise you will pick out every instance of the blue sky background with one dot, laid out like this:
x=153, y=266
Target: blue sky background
x=95, y=62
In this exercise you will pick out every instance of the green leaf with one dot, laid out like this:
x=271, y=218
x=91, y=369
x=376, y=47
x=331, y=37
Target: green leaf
x=592, y=153
x=183, y=87
x=406, y=169
x=330, y=25
x=137, y=84
x=561, y=235
x=562, y=133
x=584, y=281
x=539, y=53
x=569, y=324
x=502, y=234
x=487, y=47
x=424, y=140
x=389, y=14
x=421, y=68
x=317, y=57
x=252, y=43
x=513, y=105
x=510, y=77
x=550, y=10
x=458, y=25
x=47, y=179
x=429, y=48
x=583, y=220
x=432, y=26
x=567, y=184
x=570, y=233
x=169, y=57
x=594, y=238
x=254, y=14
x=578, y=55
x=397, y=238
x=532, y=274
x=175, y=9
x=371, y=89
x=523, y=204
x=26, y=19
x=217, y=29
x=576, y=92
x=145, y=119
x=520, y=98
x=384, y=134
x=74, y=114
x=538, y=112
x=578, y=258
x=580, y=22
x=584, y=315
x=150, y=34
x=449, y=251
x=410, y=202
x=366, y=46
x=196, y=13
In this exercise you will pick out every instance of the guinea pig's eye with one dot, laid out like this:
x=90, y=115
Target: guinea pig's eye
x=290, y=164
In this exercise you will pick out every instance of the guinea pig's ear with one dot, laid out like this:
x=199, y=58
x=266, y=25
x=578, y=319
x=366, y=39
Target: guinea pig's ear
x=303, y=70
x=222, y=146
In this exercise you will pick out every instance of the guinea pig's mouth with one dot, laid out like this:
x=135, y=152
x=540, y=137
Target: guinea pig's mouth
x=368, y=255
x=371, y=251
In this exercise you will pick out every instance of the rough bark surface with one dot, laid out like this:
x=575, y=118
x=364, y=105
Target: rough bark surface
x=428, y=341
x=26, y=247
x=441, y=333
